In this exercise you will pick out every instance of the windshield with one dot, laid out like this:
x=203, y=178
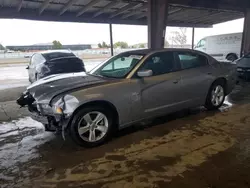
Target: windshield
x=118, y=66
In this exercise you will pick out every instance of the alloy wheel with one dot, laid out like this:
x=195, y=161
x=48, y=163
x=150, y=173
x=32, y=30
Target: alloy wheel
x=217, y=95
x=93, y=126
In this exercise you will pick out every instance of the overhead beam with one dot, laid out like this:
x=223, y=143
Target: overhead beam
x=19, y=6
x=124, y=9
x=108, y=6
x=144, y=14
x=213, y=4
x=86, y=7
x=44, y=6
x=30, y=14
x=67, y=6
x=135, y=11
x=174, y=11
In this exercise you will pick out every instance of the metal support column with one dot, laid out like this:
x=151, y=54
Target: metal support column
x=157, y=21
x=193, y=30
x=245, y=46
x=111, y=39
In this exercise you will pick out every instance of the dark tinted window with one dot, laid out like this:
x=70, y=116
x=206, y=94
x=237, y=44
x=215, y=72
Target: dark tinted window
x=247, y=56
x=190, y=60
x=66, y=65
x=160, y=63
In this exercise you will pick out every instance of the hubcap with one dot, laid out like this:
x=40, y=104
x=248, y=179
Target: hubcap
x=217, y=95
x=93, y=126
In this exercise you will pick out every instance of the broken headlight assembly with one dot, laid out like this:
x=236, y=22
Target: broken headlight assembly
x=64, y=105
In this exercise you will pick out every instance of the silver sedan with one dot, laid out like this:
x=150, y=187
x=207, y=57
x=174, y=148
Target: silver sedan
x=127, y=88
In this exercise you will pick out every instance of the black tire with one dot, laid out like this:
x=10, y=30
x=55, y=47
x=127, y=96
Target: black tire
x=209, y=104
x=36, y=77
x=232, y=57
x=77, y=118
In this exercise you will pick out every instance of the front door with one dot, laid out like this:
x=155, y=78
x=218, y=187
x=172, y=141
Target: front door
x=160, y=92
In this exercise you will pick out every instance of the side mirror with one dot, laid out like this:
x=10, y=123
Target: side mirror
x=145, y=73
x=28, y=67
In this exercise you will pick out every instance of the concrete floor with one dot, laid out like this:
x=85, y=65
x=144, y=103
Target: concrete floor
x=194, y=148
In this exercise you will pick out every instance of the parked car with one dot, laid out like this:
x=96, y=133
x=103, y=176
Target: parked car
x=127, y=88
x=243, y=67
x=53, y=62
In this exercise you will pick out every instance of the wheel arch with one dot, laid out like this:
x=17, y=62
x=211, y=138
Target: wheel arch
x=220, y=79
x=103, y=103
x=232, y=53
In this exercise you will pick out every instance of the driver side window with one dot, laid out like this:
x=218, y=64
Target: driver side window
x=160, y=63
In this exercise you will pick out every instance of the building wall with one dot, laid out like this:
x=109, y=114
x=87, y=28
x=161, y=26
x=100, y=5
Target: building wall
x=48, y=47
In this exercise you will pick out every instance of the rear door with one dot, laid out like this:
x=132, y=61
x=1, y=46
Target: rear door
x=196, y=77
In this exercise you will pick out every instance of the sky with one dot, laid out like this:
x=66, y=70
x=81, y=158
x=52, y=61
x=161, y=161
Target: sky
x=26, y=32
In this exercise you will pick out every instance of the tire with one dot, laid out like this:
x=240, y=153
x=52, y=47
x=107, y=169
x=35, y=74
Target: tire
x=36, y=77
x=80, y=121
x=213, y=100
x=232, y=57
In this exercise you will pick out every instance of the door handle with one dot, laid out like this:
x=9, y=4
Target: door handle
x=209, y=73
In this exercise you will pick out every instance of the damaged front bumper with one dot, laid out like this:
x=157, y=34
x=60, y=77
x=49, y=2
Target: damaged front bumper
x=52, y=119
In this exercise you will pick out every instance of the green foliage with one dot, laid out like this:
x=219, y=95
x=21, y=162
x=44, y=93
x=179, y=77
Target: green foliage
x=57, y=44
x=141, y=45
x=121, y=45
x=103, y=45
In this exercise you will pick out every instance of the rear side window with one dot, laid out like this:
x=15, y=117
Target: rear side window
x=66, y=65
x=37, y=59
x=191, y=60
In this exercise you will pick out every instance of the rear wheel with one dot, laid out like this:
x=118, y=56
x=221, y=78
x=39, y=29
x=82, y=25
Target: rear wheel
x=91, y=126
x=232, y=57
x=216, y=96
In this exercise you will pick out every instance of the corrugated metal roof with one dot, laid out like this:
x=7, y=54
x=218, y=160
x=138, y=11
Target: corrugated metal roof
x=116, y=11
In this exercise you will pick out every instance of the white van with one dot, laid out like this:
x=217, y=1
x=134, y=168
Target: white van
x=221, y=47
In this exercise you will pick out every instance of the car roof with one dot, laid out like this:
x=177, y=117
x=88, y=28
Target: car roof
x=55, y=54
x=149, y=51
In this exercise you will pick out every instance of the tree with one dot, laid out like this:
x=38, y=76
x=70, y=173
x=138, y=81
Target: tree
x=103, y=45
x=179, y=37
x=121, y=45
x=57, y=44
x=141, y=45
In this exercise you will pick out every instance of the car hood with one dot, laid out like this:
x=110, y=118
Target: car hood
x=243, y=62
x=44, y=90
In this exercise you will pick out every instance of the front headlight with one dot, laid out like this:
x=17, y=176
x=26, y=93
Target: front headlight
x=65, y=105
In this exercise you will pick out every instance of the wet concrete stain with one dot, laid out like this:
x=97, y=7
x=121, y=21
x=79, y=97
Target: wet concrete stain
x=194, y=148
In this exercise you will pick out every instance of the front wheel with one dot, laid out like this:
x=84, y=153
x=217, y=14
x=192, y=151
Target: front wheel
x=216, y=96
x=91, y=126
